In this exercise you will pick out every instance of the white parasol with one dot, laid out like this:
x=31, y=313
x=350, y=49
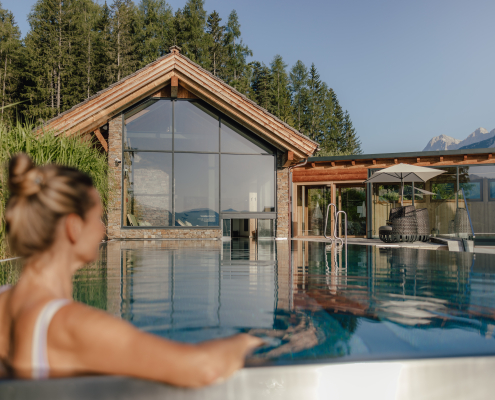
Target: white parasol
x=404, y=173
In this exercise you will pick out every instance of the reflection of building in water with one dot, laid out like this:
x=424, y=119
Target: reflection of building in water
x=170, y=287
x=407, y=286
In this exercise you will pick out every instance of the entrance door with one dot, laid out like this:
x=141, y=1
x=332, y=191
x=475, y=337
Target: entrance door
x=315, y=200
x=352, y=200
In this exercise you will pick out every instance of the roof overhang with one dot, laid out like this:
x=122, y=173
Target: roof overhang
x=96, y=111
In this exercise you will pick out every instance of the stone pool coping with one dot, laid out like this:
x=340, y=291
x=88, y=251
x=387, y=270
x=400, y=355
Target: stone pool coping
x=445, y=378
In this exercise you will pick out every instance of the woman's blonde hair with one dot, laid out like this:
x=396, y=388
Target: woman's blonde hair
x=39, y=198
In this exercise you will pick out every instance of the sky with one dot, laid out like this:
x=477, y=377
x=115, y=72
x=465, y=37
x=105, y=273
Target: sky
x=405, y=70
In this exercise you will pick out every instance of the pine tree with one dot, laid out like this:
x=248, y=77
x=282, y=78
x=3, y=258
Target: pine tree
x=125, y=59
x=237, y=71
x=351, y=143
x=337, y=126
x=190, y=35
x=329, y=141
x=82, y=81
x=217, y=51
x=261, y=86
x=154, y=29
x=281, y=106
x=50, y=56
x=11, y=58
x=314, y=107
x=103, y=70
x=298, y=86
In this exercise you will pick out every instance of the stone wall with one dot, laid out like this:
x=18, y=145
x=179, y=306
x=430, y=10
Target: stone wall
x=282, y=228
x=114, y=230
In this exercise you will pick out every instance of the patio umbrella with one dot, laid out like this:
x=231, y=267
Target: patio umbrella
x=403, y=172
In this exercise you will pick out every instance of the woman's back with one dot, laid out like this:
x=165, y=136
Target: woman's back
x=53, y=221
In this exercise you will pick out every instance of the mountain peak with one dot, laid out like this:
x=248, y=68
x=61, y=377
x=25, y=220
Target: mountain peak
x=444, y=142
x=441, y=142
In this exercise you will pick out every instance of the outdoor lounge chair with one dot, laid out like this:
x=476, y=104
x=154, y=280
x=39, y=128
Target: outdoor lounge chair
x=405, y=224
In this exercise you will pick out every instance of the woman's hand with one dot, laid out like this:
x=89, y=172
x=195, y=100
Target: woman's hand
x=225, y=356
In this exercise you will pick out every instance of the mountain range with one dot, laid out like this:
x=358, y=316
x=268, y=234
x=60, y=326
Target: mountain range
x=479, y=139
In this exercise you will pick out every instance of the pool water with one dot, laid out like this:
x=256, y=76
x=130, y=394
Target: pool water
x=311, y=302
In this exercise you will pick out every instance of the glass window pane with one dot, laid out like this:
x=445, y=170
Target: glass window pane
x=235, y=141
x=196, y=189
x=226, y=227
x=479, y=189
x=472, y=190
x=196, y=128
x=265, y=228
x=248, y=183
x=147, y=189
x=149, y=126
x=444, y=185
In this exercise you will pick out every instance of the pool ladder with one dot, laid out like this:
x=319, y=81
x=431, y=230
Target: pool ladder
x=334, y=237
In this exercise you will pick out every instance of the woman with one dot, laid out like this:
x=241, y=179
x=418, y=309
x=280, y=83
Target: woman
x=53, y=221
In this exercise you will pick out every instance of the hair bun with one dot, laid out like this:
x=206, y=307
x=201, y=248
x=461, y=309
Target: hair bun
x=24, y=178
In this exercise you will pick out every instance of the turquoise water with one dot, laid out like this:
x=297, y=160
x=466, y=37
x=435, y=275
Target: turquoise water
x=305, y=301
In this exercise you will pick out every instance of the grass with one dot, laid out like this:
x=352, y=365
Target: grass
x=45, y=149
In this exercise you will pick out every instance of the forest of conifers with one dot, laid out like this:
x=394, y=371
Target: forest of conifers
x=75, y=48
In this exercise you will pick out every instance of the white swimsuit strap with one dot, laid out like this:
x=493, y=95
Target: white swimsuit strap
x=4, y=288
x=39, y=354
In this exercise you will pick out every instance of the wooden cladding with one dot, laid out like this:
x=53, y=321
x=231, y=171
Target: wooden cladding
x=330, y=177
x=182, y=93
x=357, y=170
x=174, y=87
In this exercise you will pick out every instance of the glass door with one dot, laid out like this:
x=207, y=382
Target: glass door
x=316, y=199
x=352, y=200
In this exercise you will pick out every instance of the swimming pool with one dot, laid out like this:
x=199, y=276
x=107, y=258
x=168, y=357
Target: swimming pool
x=314, y=305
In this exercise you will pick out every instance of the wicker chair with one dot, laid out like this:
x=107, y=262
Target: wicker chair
x=423, y=224
x=404, y=229
x=401, y=226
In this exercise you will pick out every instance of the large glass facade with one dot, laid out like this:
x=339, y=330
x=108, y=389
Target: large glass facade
x=177, y=156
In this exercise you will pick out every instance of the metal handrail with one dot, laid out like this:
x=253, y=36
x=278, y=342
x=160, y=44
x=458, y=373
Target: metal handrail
x=332, y=238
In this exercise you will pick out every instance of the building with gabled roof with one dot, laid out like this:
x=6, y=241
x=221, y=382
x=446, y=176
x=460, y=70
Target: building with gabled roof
x=189, y=156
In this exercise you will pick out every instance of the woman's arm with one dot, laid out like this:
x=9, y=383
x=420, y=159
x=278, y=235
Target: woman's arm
x=82, y=339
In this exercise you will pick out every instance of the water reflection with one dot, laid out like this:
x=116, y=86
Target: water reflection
x=310, y=302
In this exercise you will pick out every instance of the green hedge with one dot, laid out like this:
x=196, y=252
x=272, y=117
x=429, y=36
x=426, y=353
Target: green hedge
x=44, y=149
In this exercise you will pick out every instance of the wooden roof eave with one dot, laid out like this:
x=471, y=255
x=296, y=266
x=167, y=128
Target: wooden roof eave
x=230, y=110
x=97, y=111
x=236, y=107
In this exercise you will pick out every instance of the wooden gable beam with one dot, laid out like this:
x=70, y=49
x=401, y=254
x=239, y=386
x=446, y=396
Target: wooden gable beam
x=174, y=87
x=101, y=139
x=290, y=159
